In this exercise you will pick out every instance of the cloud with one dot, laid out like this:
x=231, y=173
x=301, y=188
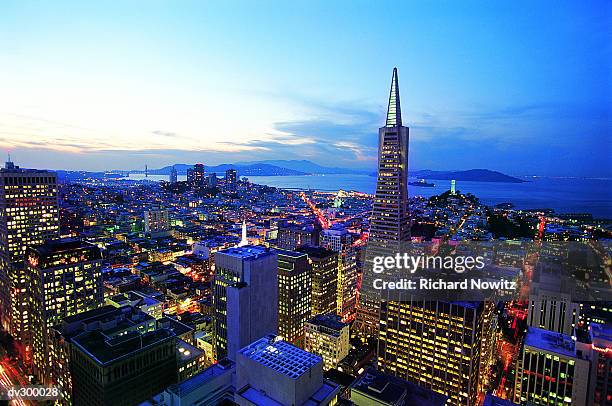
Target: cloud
x=165, y=133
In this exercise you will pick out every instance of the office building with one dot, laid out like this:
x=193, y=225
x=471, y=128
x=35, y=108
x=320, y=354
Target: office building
x=324, y=273
x=601, y=342
x=550, y=370
x=231, y=179
x=550, y=303
x=28, y=217
x=245, y=289
x=138, y=300
x=211, y=180
x=190, y=360
x=327, y=337
x=294, y=295
x=377, y=388
x=173, y=177
x=437, y=345
x=212, y=386
x=64, y=278
x=156, y=223
x=270, y=371
x=389, y=222
x=292, y=236
x=122, y=370
x=341, y=241
x=195, y=175
x=110, y=320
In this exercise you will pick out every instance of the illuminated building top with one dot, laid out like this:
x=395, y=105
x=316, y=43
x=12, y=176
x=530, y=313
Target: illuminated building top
x=394, y=111
x=281, y=356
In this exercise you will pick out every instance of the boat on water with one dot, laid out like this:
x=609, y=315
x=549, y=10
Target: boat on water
x=421, y=183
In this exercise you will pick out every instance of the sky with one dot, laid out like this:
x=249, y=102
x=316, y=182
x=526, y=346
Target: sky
x=521, y=87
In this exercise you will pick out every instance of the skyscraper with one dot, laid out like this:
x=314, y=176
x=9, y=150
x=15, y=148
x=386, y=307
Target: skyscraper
x=389, y=222
x=551, y=370
x=294, y=295
x=173, y=178
x=122, y=370
x=195, y=176
x=437, y=345
x=64, y=278
x=230, y=180
x=293, y=236
x=324, y=265
x=245, y=297
x=341, y=241
x=28, y=216
x=211, y=180
x=550, y=303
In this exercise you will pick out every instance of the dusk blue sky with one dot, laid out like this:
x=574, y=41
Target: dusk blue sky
x=520, y=87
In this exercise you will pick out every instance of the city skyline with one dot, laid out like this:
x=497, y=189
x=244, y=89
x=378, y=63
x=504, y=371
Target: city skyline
x=120, y=290
x=143, y=83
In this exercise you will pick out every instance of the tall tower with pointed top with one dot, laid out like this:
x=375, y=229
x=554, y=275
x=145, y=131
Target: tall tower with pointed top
x=389, y=222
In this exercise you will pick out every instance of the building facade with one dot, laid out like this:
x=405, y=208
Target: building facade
x=110, y=320
x=156, y=222
x=550, y=304
x=195, y=175
x=245, y=297
x=324, y=268
x=28, y=216
x=389, y=222
x=341, y=241
x=550, y=371
x=231, y=181
x=294, y=295
x=270, y=371
x=122, y=370
x=327, y=337
x=173, y=177
x=293, y=236
x=435, y=344
x=64, y=278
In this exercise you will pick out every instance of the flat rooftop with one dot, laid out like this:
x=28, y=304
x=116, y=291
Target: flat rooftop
x=393, y=390
x=317, y=252
x=281, y=356
x=66, y=245
x=557, y=343
x=602, y=335
x=330, y=321
x=287, y=253
x=93, y=314
x=247, y=252
x=224, y=366
x=104, y=349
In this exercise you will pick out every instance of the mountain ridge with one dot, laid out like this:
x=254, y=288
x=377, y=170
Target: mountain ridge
x=305, y=167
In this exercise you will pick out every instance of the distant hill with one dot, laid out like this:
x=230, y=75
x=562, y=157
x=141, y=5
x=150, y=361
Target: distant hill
x=256, y=169
x=474, y=175
x=304, y=167
x=307, y=167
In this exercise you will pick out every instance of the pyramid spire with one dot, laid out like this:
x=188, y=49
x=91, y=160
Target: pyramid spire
x=394, y=111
